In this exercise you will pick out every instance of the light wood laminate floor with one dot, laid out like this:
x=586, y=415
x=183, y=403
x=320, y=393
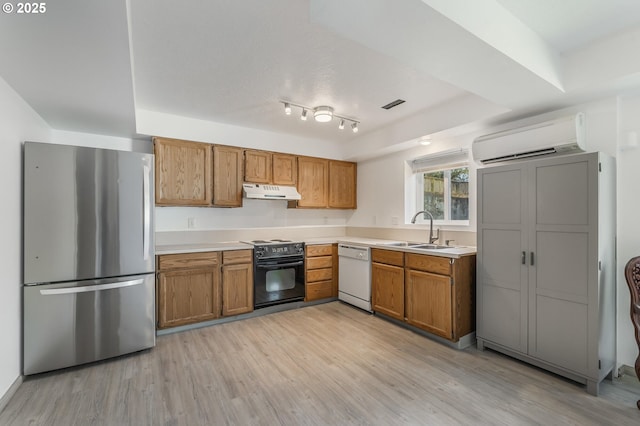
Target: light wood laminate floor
x=325, y=364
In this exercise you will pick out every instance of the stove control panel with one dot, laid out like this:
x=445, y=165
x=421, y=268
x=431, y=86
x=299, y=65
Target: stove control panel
x=278, y=250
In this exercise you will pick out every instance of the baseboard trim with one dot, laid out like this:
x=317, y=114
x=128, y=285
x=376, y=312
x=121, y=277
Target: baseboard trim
x=10, y=392
x=626, y=370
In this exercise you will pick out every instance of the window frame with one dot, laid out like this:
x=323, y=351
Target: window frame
x=419, y=195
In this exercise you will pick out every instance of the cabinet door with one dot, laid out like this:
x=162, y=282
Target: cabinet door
x=502, y=282
x=387, y=290
x=237, y=289
x=188, y=296
x=429, y=302
x=285, y=169
x=228, y=171
x=313, y=182
x=183, y=172
x=257, y=166
x=563, y=242
x=342, y=185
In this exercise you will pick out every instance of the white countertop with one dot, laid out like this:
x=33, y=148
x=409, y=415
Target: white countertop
x=193, y=248
x=453, y=252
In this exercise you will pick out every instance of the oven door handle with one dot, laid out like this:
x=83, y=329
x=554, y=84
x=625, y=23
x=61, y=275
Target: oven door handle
x=279, y=265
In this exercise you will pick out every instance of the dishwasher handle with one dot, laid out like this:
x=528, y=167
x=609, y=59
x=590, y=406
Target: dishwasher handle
x=353, y=252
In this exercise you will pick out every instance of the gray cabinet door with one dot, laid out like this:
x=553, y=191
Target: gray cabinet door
x=502, y=239
x=563, y=209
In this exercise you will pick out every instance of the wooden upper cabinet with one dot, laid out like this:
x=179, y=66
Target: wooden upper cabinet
x=183, y=172
x=342, y=185
x=313, y=182
x=257, y=166
x=285, y=169
x=228, y=170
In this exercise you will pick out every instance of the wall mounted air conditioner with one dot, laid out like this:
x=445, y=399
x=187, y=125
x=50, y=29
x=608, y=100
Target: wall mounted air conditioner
x=560, y=136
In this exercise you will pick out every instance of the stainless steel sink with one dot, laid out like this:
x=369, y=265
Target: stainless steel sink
x=403, y=244
x=430, y=247
x=422, y=246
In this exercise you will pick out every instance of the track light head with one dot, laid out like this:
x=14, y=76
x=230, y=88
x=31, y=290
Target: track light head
x=303, y=116
x=354, y=127
x=341, y=125
x=287, y=108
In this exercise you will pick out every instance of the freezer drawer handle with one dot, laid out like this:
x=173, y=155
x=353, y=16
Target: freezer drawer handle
x=84, y=289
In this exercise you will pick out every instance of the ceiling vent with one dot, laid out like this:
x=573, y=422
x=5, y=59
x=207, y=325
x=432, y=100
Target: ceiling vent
x=393, y=104
x=560, y=136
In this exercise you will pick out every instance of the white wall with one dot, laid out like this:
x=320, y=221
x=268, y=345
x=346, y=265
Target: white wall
x=18, y=122
x=628, y=162
x=253, y=214
x=63, y=137
x=381, y=188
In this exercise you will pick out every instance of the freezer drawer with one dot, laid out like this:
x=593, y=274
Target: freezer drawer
x=78, y=322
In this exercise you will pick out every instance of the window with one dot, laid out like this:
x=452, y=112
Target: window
x=444, y=193
x=442, y=186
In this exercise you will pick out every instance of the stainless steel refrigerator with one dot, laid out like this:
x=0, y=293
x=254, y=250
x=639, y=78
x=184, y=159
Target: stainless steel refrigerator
x=89, y=287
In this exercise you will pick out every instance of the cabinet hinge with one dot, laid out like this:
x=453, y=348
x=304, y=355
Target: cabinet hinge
x=599, y=167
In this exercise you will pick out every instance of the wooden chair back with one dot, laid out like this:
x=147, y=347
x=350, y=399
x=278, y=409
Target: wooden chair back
x=632, y=274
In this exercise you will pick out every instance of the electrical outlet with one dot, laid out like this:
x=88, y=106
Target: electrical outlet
x=191, y=222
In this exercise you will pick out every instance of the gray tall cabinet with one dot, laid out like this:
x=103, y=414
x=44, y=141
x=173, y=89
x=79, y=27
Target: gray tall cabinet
x=546, y=264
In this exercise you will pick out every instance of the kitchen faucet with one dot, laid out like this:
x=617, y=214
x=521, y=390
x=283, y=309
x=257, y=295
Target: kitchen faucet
x=432, y=239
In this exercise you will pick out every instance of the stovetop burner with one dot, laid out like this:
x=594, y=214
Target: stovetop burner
x=262, y=242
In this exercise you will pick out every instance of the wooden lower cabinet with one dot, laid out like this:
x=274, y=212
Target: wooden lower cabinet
x=387, y=282
x=433, y=293
x=387, y=290
x=188, y=289
x=320, y=272
x=429, y=302
x=237, y=289
x=196, y=287
x=237, y=282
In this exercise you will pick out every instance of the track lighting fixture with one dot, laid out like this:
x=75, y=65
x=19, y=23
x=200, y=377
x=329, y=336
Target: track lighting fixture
x=321, y=114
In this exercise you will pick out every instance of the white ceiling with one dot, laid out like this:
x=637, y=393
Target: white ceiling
x=83, y=67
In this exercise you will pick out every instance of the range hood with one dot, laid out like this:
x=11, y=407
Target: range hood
x=270, y=192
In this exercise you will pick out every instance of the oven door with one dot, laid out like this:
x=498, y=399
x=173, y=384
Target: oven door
x=278, y=281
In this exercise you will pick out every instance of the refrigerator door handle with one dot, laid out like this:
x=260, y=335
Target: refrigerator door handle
x=146, y=212
x=87, y=288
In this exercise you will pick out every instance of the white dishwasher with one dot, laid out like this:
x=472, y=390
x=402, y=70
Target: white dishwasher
x=354, y=279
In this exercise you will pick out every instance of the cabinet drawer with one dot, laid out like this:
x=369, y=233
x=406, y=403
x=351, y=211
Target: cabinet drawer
x=324, y=274
x=188, y=260
x=434, y=264
x=319, y=250
x=320, y=262
x=388, y=257
x=319, y=290
x=237, y=256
